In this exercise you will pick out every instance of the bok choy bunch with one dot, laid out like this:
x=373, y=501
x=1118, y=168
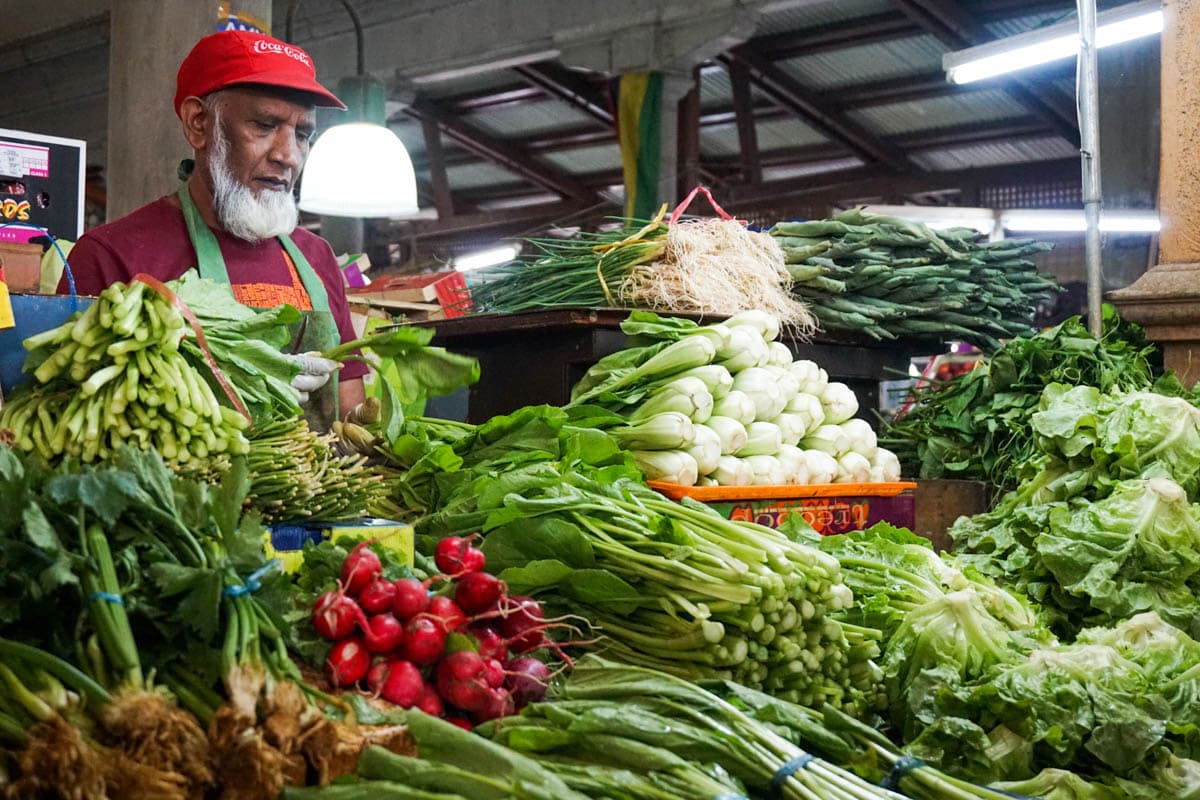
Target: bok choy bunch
x=776, y=420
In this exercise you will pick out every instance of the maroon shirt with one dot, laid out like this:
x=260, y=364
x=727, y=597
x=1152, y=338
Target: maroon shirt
x=154, y=240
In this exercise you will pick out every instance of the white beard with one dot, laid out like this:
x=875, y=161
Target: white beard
x=243, y=214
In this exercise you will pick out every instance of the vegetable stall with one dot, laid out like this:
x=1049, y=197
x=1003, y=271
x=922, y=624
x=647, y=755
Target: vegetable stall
x=546, y=616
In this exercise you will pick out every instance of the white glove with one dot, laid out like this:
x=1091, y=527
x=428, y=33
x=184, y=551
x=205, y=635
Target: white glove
x=314, y=373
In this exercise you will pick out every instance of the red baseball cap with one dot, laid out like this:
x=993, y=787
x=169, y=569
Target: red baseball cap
x=236, y=57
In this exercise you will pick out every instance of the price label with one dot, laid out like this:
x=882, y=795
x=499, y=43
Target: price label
x=11, y=163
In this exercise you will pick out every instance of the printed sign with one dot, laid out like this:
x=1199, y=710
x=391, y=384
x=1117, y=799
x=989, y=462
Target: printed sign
x=20, y=160
x=231, y=20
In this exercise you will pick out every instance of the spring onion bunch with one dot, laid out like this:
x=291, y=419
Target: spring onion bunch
x=775, y=422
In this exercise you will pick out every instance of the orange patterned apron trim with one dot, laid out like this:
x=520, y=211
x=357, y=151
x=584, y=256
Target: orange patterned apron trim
x=269, y=295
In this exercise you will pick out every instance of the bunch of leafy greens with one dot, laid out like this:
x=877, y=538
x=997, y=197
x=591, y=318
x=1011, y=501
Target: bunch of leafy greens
x=976, y=425
x=944, y=624
x=170, y=549
x=1107, y=527
x=566, y=517
x=410, y=371
x=1117, y=706
x=246, y=344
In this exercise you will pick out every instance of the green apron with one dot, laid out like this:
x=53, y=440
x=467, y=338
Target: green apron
x=320, y=333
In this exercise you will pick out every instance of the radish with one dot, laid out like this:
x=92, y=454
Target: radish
x=382, y=633
x=424, y=640
x=347, y=663
x=446, y=610
x=493, y=673
x=377, y=675
x=476, y=592
x=404, y=685
x=360, y=568
x=430, y=703
x=455, y=556
x=499, y=704
x=461, y=682
x=379, y=596
x=524, y=624
x=491, y=643
x=460, y=722
x=527, y=680
x=411, y=598
x=333, y=616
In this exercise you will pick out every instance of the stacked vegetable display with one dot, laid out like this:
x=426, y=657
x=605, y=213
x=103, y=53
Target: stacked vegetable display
x=976, y=425
x=116, y=375
x=567, y=519
x=887, y=277
x=726, y=405
x=465, y=654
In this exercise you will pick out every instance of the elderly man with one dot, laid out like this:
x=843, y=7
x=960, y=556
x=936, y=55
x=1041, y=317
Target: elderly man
x=246, y=102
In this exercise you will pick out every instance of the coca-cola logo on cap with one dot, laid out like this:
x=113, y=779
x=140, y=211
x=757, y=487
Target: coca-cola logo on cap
x=263, y=46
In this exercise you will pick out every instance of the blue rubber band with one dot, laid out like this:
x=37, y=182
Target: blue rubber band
x=902, y=767
x=107, y=597
x=253, y=581
x=731, y=797
x=789, y=769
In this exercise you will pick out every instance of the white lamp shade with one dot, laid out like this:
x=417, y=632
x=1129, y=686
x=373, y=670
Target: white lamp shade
x=359, y=170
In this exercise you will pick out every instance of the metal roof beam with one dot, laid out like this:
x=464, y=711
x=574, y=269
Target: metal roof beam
x=568, y=85
x=873, y=182
x=833, y=123
x=743, y=110
x=501, y=152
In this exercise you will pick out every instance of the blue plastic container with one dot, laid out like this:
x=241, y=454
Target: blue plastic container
x=33, y=313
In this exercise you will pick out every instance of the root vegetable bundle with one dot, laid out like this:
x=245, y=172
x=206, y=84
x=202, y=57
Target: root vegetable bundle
x=707, y=266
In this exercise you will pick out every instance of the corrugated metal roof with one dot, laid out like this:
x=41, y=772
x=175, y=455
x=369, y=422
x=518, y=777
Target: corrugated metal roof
x=866, y=63
x=715, y=87
x=816, y=168
x=822, y=12
x=581, y=160
x=486, y=79
x=939, y=112
x=527, y=118
x=779, y=133
x=1027, y=22
x=982, y=155
x=719, y=140
x=471, y=176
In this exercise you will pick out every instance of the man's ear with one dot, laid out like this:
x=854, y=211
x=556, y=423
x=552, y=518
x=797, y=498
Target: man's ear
x=197, y=122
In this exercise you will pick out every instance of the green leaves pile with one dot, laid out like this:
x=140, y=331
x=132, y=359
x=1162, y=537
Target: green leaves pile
x=980, y=688
x=976, y=426
x=566, y=518
x=1107, y=528
x=887, y=277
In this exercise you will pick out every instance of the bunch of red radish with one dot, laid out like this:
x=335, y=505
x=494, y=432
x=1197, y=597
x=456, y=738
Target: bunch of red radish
x=394, y=635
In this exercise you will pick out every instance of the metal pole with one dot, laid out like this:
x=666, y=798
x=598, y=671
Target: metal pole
x=1087, y=89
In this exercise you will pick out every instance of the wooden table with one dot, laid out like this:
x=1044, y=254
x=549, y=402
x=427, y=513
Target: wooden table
x=537, y=356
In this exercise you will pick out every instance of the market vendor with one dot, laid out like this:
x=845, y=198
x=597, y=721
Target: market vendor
x=247, y=105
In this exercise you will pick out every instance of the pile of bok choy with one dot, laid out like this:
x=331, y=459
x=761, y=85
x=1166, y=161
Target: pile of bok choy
x=726, y=405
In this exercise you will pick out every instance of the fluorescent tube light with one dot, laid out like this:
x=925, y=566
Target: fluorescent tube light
x=1068, y=221
x=940, y=217
x=1052, y=43
x=487, y=258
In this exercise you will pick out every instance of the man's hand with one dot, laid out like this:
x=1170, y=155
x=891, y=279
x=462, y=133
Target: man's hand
x=314, y=373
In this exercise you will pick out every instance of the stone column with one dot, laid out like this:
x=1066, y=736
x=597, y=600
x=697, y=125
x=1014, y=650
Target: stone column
x=1166, y=300
x=147, y=43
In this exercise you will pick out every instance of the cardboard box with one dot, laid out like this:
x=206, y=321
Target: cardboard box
x=22, y=266
x=287, y=540
x=829, y=508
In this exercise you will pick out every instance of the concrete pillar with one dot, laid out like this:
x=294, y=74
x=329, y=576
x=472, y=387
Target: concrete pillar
x=145, y=142
x=1166, y=300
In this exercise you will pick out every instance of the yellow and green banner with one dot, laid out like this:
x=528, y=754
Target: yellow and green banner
x=639, y=127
